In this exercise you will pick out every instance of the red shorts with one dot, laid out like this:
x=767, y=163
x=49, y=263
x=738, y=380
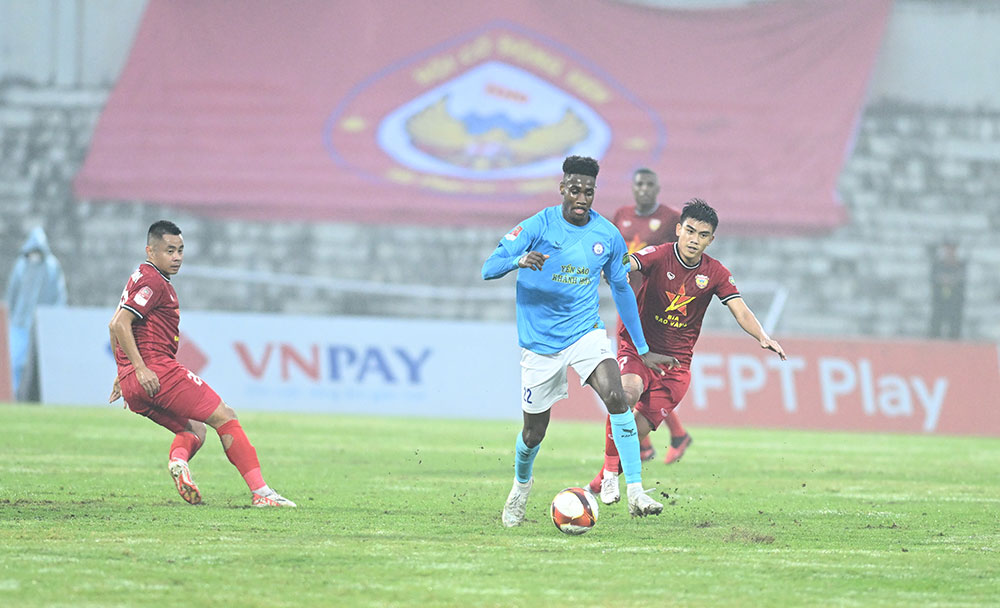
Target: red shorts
x=660, y=394
x=183, y=396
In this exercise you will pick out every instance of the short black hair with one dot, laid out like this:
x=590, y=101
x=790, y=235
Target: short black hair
x=580, y=165
x=159, y=228
x=698, y=209
x=642, y=170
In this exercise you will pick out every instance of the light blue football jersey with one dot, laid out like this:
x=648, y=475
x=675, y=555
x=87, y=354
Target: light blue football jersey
x=557, y=305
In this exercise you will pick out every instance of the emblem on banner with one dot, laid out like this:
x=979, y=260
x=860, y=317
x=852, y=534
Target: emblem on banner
x=494, y=121
x=493, y=114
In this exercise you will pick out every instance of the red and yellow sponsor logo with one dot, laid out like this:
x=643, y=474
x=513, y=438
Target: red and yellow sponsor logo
x=679, y=301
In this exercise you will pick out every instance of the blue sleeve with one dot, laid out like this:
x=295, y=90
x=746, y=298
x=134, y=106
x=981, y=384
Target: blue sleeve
x=512, y=246
x=616, y=270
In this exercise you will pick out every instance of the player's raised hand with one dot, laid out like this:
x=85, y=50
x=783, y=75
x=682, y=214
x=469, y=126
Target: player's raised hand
x=656, y=362
x=532, y=260
x=116, y=391
x=773, y=345
x=147, y=380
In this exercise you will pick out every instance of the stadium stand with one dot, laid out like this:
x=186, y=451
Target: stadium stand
x=918, y=174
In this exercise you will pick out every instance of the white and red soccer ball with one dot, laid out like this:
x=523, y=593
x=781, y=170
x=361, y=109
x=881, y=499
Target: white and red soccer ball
x=574, y=511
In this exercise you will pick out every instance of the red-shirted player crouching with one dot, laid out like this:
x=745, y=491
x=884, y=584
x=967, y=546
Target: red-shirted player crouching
x=678, y=282
x=144, y=337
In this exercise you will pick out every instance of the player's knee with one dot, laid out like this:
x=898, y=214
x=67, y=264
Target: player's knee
x=532, y=436
x=197, y=429
x=222, y=414
x=615, y=401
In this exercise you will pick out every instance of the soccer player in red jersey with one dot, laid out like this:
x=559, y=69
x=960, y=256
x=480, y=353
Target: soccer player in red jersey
x=643, y=224
x=679, y=280
x=144, y=337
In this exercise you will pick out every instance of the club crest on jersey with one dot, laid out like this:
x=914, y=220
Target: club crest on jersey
x=701, y=281
x=142, y=297
x=512, y=235
x=598, y=248
x=654, y=223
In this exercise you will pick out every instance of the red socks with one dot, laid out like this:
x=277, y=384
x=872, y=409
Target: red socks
x=185, y=446
x=242, y=454
x=612, y=462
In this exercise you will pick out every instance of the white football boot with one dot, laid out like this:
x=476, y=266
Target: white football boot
x=610, y=494
x=641, y=504
x=517, y=503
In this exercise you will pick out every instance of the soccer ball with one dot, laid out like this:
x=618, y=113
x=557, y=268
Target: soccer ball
x=574, y=511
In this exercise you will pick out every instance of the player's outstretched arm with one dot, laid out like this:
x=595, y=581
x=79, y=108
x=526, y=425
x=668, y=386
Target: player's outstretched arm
x=628, y=310
x=500, y=263
x=514, y=251
x=121, y=331
x=746, y=319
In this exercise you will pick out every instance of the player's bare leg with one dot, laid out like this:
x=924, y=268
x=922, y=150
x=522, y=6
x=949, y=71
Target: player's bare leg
x=244, y=457
x=186, y=443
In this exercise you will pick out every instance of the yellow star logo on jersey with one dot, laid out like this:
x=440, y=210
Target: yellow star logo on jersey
x=635, y=244
x=679, y=301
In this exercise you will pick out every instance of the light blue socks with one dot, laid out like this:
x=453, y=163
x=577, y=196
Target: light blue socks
x=524, y=458
x=627, y=441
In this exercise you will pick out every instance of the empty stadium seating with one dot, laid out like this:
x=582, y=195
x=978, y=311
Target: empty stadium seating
x=916, y=177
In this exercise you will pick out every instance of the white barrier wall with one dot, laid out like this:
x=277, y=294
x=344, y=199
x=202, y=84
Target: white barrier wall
x=351, y=365
x=471, y=370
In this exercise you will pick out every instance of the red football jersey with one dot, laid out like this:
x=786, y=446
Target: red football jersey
x=673, y=298
x=641, y=231
x=150, y=296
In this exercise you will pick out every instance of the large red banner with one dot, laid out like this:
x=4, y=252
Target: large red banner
x=857, y=385
x=461, y=112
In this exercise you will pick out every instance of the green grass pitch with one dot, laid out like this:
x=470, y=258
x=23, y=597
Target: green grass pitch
x=406, y=512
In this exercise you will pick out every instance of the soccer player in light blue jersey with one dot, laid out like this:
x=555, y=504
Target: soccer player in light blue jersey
x=563, y=250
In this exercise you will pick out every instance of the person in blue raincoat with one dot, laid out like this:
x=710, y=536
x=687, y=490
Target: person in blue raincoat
x=37, y=279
